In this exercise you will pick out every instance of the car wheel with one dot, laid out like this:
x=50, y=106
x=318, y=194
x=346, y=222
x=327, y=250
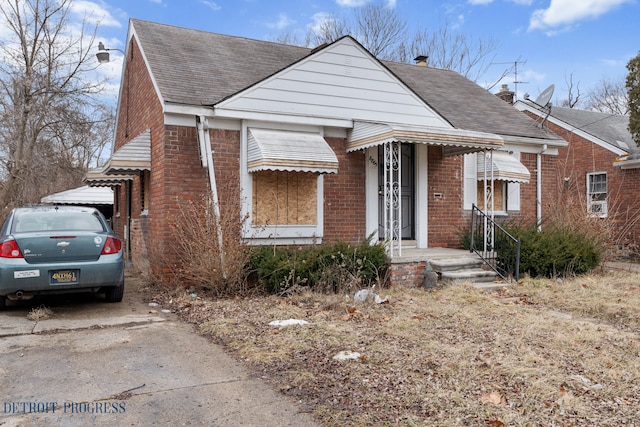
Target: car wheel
x=3, y=302
x=114, y=294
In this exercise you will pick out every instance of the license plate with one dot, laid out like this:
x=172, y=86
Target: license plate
x=64, y=277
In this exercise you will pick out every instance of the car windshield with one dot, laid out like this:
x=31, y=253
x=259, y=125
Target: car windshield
x=25, y=222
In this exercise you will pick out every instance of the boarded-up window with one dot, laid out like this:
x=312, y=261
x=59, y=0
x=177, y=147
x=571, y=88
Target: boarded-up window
x=499, y=199
x=284, y=198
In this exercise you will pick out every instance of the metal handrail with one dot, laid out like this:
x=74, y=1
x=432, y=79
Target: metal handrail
x=494, y=245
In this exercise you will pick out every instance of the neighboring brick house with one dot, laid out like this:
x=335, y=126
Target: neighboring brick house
x=310, y=145
x=599, y=168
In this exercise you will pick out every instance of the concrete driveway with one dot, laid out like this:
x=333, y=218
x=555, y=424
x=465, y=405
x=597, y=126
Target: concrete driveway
x=93, y=363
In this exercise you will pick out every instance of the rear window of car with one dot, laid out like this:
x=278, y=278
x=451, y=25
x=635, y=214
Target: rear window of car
x=26, y=222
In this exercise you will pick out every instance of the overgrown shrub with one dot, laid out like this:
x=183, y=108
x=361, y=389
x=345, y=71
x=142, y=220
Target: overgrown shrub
x=340, y=267
x=559, y=249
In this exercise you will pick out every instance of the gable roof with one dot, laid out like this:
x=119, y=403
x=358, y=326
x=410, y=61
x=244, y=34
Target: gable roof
x=605, y=129
x=193, y=67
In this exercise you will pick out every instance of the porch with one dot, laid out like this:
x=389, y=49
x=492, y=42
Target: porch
x=415, y=267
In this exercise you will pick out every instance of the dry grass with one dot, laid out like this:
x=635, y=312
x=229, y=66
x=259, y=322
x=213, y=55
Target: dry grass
x=39, y=313
x=563, y=354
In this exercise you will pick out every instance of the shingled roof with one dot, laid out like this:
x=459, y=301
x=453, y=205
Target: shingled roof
x=611, y=128
x=194, y=67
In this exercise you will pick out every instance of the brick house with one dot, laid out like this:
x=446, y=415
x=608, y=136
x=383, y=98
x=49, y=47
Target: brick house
x=311, y=145
x=599, y=168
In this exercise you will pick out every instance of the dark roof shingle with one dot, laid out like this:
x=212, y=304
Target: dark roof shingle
x=195, y=67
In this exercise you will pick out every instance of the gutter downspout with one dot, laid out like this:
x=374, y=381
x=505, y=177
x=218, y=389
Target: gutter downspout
x=539, y=187
x=206, y=157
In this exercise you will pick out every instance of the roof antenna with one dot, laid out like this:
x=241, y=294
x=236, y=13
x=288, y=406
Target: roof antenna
x=542, y=101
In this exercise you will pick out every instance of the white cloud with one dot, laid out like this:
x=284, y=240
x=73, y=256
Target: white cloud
x=282, y=23
x=94, y=13
x=213, y=5
x=566, y=12
x=391, y=4
x=319, y=20
x=351, y=3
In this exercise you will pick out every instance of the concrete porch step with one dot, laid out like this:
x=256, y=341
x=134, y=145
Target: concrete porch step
x=474, y=275
x=456, y=264
x=489, y=287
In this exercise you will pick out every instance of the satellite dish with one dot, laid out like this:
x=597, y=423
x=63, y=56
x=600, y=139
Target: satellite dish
x=545, y=96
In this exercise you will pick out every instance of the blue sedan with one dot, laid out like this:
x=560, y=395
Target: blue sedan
x=59, y=249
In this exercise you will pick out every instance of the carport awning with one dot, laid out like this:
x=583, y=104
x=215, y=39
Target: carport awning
x=289, y=151
x=454, y=141
x=502, y=166
x=85, y=195
x=131, y=158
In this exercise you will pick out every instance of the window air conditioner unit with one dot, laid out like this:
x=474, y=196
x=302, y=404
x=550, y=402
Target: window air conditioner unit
x=599, y=208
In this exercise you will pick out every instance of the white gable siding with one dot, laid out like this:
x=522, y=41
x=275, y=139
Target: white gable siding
x=342, y=81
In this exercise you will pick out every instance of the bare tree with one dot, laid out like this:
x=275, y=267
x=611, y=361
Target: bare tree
x=609, y=96
x=330, y=28
x=385, y=35
x=46, y=104
x=380, y=30
x=451, y=50
x=574, y=97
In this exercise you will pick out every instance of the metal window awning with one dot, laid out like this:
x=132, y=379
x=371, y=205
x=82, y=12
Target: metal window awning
x=453, y=141
x=96, y=178
x=131, y=158
x=502, y=166
x=289, y=151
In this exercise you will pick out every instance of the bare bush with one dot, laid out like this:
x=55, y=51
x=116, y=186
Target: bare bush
x=202, y=262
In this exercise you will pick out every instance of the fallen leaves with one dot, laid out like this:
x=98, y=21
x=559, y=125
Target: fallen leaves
x=494, y=398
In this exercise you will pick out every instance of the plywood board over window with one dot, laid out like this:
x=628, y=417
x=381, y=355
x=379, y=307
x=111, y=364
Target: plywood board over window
x=284, y=198
x=498, y=195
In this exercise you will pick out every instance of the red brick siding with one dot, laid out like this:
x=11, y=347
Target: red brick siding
x=344, y=196
x=581, y=157
x=446, y=214
x=446, y=217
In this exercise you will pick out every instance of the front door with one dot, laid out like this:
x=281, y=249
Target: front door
x=407, y=191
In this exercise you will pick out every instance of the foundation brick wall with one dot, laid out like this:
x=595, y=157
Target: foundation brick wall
x=407, y=274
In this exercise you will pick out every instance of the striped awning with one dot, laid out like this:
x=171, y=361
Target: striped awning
x=289, y=151
x=502, y=166
x=454, y=141
x=131, y=158
x=97, y=178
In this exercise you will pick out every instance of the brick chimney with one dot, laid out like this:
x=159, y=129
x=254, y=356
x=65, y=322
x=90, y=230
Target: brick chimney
x=505, y=94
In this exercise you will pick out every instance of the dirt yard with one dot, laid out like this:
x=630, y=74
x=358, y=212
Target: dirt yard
x=543, y=353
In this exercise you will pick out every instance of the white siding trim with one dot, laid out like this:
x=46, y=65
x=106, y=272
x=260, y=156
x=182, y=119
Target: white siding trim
x=422, y=196
x=470, y=181
x=371, y=193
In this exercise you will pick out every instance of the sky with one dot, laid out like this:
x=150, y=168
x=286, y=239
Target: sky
x=551, y=41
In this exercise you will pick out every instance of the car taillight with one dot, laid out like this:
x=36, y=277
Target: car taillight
x=111, y=246
x=10, y=249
